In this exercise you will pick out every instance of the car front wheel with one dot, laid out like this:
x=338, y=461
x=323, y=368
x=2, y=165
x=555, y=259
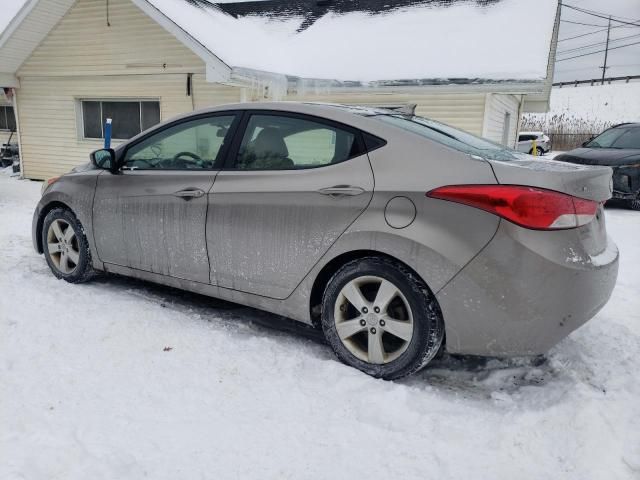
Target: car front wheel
x=65, y=246
x=379, y=317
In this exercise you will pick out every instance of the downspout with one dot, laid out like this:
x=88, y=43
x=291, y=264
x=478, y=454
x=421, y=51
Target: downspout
x=190, y=91
x=488, y=104
x=519, y=122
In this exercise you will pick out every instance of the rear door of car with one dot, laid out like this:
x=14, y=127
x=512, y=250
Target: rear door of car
x=291, y=187
x=151, y=215
x=525, y=143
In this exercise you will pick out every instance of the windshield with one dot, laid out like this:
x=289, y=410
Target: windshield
x=449, y=136
x=619, y=137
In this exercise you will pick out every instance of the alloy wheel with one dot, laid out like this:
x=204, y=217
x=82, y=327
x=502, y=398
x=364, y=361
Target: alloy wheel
x=62, y=245
x=373, y=319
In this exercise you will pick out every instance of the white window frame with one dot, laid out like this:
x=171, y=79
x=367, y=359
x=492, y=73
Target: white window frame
x=80, y=114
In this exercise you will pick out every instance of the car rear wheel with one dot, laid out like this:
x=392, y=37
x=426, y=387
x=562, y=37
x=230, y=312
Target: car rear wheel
x=539, y=151
x=635, y=203
x=65, y=246
x=379, y=317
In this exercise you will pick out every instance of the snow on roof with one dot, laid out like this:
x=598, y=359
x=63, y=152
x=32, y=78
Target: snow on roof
x=375, y=40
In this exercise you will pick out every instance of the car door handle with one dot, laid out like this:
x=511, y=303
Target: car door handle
x=341, y=190
x=189, y=193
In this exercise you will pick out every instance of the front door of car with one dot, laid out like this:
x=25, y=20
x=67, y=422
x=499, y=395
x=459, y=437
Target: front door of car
x=152, y=214
x=525, y=143
x=293, y=185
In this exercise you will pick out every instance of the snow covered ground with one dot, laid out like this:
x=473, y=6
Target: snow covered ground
x=119, y=379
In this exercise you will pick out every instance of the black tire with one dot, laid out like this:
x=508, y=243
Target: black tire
x=428, y=326
x=83, y=270
x=635, y=204
x=539, y=150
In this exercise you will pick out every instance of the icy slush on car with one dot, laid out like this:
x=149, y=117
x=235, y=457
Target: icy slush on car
x=396, y=235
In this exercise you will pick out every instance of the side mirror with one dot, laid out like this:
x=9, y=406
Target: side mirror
x=105, y=159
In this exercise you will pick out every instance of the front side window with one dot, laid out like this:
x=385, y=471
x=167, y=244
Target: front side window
x=129, y=118
x=7, y=118
x=195, y=144
x=273, y=142
x=619, y=137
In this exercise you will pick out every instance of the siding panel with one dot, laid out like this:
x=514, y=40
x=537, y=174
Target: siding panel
x=51, y=140
x=464, y=111
x=31, y=32
x=498, y=105
x=82, y=57
x=84, y=44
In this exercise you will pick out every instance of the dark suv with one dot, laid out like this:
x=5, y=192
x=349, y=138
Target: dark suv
x=618, y=148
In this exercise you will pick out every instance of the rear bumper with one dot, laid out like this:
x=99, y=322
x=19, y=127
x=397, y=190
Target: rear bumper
x=526, y=291
x=625, y=196
x=626, y=182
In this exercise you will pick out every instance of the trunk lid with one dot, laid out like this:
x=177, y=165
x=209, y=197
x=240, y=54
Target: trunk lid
x=589, y=182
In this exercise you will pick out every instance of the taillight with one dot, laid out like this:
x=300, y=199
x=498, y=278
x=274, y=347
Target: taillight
x=528, y=207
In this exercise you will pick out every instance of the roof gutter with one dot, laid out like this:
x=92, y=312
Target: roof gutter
x=246, y=77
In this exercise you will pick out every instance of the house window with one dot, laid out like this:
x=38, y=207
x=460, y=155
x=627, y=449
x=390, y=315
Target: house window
x=7, y=119
x=129, y=117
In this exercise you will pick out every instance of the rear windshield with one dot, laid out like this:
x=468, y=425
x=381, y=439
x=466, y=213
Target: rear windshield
x=449, y=136
x=619, y=137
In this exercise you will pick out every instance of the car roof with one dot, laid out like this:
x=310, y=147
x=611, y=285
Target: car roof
x=301, y=107
x=627, y=125
x=328, y=110
x=354, y=116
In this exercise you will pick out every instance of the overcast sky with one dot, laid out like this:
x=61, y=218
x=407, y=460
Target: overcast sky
x=623, y=61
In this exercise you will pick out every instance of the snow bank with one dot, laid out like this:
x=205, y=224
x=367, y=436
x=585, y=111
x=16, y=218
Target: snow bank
x=119, y=379
x=462, y=40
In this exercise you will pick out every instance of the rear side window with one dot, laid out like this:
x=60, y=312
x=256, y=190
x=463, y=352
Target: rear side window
x=629, y=139
x=620, y=137
x=451, y=137
x=274, y=142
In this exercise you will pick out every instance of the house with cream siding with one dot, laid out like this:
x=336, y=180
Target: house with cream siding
x=70, y=64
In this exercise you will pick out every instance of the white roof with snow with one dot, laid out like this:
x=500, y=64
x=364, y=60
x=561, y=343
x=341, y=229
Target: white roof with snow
x=355, y=41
